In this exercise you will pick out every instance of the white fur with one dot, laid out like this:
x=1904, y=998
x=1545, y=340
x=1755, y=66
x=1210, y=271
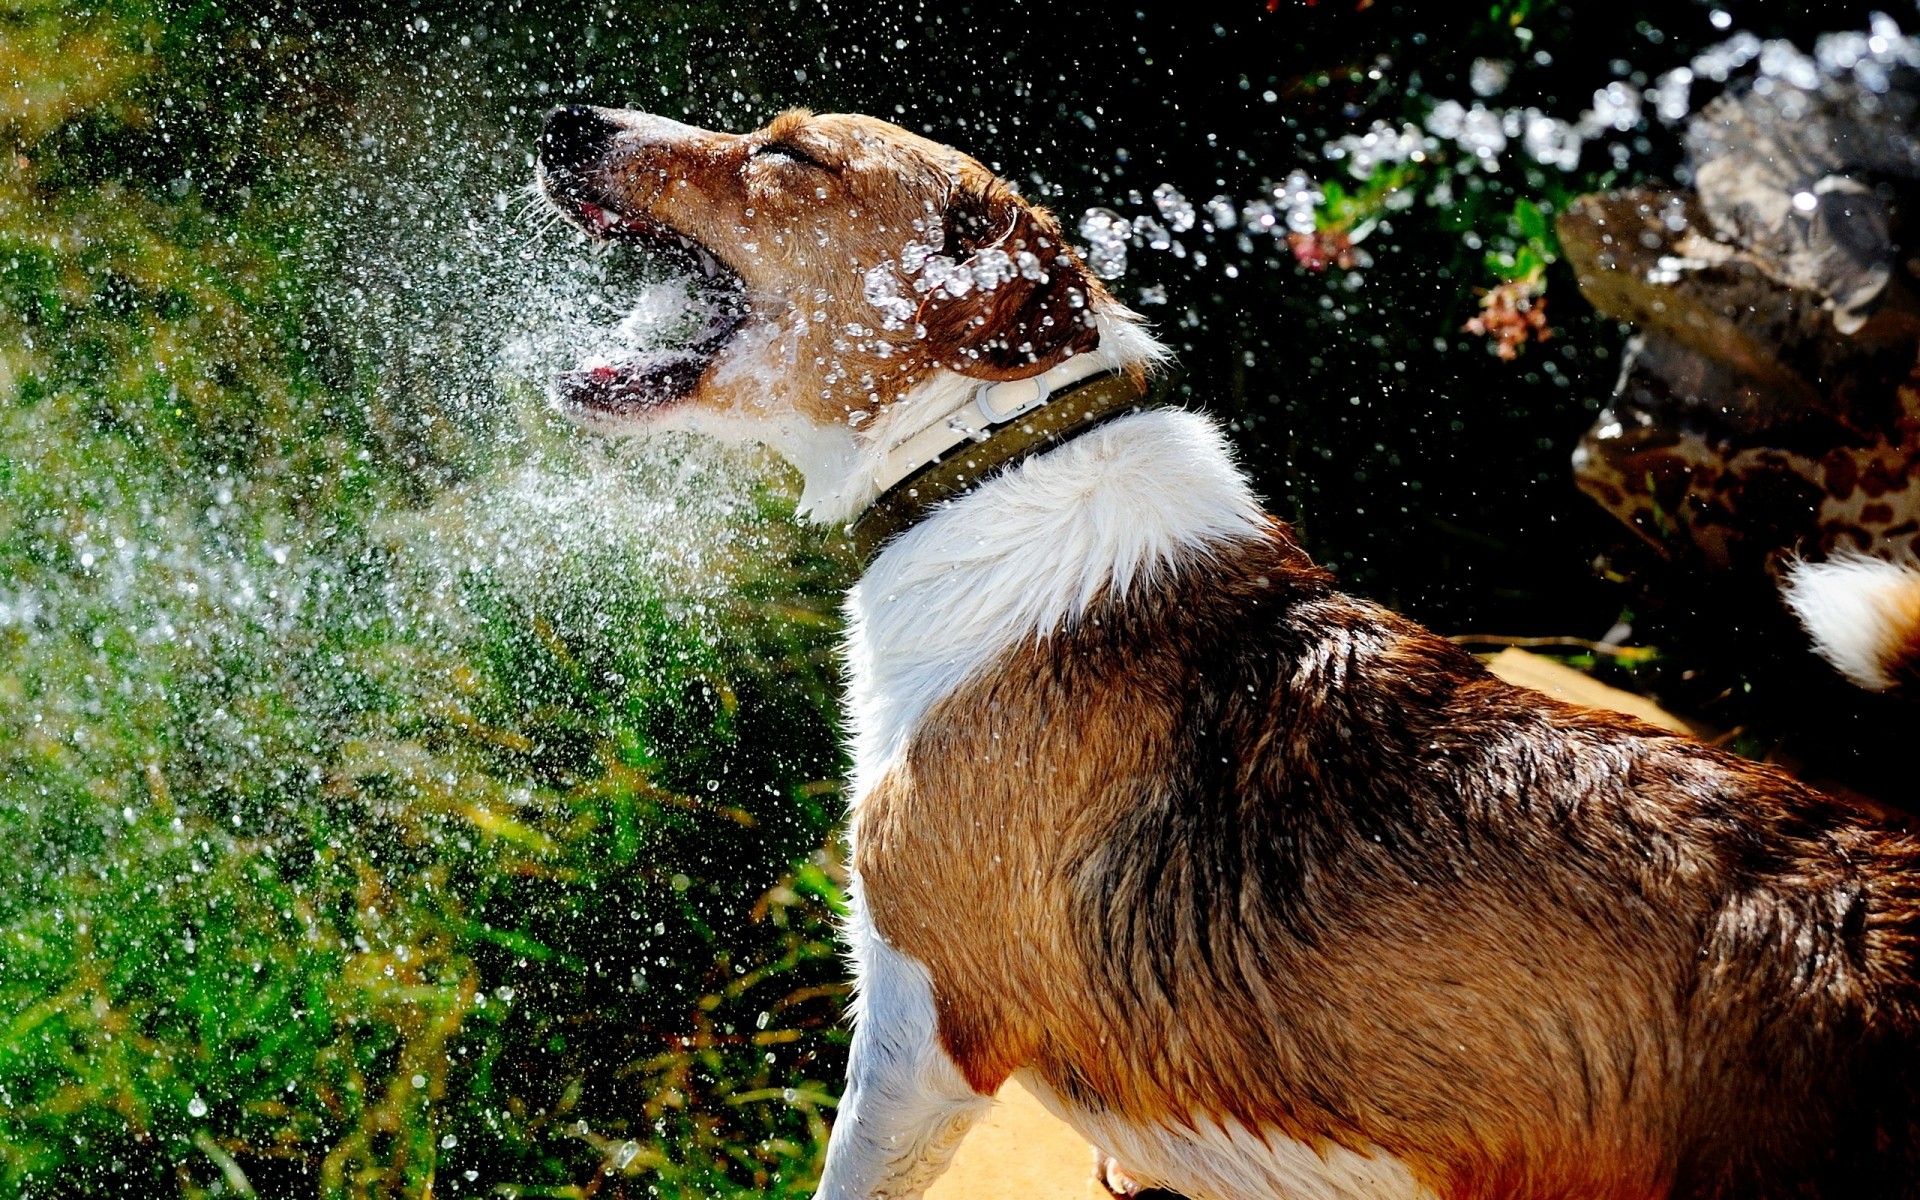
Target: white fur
x=1024, y=555
x=1860, y=612
x=906, y=1105
x=1226, y=1161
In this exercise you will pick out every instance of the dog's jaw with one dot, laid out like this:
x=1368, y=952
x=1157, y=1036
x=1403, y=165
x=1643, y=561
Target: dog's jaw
x=841, y=464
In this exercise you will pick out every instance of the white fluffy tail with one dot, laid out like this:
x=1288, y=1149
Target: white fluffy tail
x=1863, y=614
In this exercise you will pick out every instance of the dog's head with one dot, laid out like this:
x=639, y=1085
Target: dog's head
x=844, y=260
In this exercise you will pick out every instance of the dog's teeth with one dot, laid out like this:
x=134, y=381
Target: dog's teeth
x=686, y=243
x=708, y=264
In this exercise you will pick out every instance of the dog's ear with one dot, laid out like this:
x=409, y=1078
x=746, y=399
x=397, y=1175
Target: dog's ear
x=1024, y=300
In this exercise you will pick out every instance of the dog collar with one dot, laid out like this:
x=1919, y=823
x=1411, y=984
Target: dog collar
x=1000, y=424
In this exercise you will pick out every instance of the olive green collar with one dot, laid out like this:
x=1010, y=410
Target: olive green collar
x=993, y=435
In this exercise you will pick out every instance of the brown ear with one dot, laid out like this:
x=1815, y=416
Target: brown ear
x=1025, y=301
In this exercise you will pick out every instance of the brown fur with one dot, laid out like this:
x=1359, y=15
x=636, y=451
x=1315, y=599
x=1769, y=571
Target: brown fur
x=1007, y=332
x=1250, y=848
x=1899, y=655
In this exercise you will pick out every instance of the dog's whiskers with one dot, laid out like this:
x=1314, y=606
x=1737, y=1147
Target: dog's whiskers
x=530, y=197
x=540, y=230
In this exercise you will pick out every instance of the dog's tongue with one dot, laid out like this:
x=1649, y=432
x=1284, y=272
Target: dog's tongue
x=633, y=383
x=658, y=351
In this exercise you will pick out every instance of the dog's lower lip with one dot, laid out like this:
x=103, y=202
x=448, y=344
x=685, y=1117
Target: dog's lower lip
x=637, y=385
x=646, y=381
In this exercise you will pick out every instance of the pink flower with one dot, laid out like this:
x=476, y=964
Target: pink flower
x=1513, y=314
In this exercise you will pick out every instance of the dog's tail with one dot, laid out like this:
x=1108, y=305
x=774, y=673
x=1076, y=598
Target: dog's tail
x=1864, y=616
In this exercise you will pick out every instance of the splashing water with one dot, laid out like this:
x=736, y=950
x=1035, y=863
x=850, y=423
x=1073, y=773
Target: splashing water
x=332, y=656
x=1106, y=232
x=1174, y=208
x=350, y=689
x=1486, y=134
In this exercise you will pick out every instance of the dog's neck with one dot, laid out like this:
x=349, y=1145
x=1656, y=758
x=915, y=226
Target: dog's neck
x=845, y=470
x=999, y=427
x=1019, y=556
x=1104, y=515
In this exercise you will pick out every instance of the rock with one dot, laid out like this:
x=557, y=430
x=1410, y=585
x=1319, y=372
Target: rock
x=1640, y=257
x=1770, y=401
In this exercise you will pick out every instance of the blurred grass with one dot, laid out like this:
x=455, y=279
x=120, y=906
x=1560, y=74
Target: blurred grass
x=346, y=858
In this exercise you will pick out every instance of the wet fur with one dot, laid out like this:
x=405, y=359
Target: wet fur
x=1269, y=890
x=1275, y=858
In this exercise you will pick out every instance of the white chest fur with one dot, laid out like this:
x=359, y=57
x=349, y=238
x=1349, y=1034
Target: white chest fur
x=1213, y=1161
x=1026, y=553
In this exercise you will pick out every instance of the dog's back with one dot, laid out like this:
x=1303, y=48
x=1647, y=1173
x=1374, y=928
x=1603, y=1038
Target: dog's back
x=1304, y=867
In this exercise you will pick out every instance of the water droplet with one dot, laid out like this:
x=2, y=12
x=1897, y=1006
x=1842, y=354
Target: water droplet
x=1152, y=232
x=1106, y=232
x=1174, y=208
x=1489, y=76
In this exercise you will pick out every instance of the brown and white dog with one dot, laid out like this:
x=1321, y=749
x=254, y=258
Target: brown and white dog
x=1265, y=889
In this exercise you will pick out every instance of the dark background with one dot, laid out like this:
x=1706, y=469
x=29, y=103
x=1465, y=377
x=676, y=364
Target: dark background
x=1428, y=473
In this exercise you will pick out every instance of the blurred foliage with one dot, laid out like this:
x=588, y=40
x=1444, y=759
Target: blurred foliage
x=341, y=863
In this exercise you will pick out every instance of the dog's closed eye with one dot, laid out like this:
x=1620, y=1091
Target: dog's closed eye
x=789, y=152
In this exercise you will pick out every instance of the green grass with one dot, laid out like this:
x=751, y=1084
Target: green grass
x=346, y=857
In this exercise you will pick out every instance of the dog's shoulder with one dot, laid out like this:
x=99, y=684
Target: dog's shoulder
x=1245, y=683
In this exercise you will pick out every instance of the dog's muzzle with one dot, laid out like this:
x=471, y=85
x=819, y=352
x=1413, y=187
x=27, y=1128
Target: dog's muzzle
x=573, y=138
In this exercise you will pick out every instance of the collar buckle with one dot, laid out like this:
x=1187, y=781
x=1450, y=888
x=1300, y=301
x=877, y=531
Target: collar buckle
x=1002, y=402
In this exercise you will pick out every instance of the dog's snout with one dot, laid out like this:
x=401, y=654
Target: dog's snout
x=573, y=137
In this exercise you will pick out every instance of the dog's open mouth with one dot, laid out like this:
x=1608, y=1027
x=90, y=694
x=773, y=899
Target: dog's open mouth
x=627, y=380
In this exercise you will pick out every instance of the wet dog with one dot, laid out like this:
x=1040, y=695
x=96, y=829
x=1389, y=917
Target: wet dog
x=1265, y=889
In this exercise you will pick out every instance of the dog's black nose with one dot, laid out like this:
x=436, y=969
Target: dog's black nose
x=573, y=137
